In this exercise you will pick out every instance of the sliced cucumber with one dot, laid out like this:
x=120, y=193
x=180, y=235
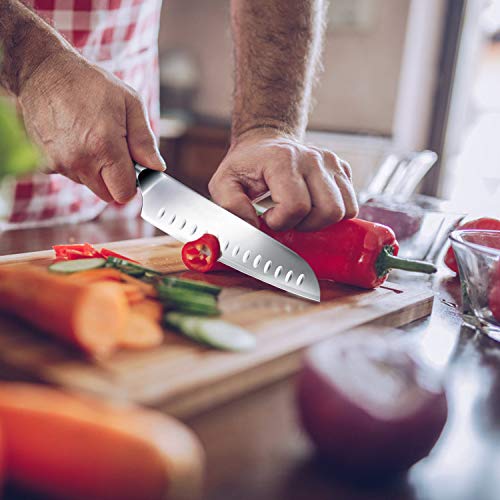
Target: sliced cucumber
x=213, y=332
x=75, y=266
x=197, y=286
x=130, y=268
x=188, y=301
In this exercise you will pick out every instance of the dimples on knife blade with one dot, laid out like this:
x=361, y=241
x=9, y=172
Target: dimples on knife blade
x=186, y=215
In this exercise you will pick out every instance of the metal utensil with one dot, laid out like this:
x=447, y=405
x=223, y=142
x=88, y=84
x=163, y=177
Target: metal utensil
x=399, y=175
x=186, y=215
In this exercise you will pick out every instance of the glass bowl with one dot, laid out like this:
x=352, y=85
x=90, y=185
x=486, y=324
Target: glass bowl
x=478, y=259
x=421, y=225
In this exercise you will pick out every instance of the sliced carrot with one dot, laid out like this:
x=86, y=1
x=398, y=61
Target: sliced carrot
x=149, y=308
x=109, y=274
x=64, y=446
x=148, y=289
x=133, y=293
x=89, y=316
x=141, y=332
x=95, y=275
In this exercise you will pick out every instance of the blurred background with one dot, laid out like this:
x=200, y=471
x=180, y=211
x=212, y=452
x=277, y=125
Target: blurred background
x=399, y=76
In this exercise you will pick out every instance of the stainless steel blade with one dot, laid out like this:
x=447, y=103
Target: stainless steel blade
x=186, y=215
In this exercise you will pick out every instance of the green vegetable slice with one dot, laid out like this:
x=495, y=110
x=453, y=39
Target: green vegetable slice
x=188, y=301
x=131, y=268
x=75, y=266
x=197, y=286
x=213, y=332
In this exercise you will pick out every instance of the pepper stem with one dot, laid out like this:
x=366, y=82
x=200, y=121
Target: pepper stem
x=387, y=261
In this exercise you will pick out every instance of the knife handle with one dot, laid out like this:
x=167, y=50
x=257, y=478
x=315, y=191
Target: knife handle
x=138, y=169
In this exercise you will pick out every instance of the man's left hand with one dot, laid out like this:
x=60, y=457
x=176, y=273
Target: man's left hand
x=311, y=187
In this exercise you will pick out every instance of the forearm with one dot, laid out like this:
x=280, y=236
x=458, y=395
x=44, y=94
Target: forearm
x=26, y=42
x=277, y=50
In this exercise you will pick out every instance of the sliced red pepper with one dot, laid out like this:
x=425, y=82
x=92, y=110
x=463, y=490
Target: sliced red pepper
x=73, y=252
x=106, y=252
x=485, y=223
x=201, y=254
x=85, y=251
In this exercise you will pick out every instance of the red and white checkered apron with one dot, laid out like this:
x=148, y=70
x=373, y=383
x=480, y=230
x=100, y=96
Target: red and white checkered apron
x=120, y=36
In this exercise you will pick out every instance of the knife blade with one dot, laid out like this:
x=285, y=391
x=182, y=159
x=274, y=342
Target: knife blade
x=186, y=215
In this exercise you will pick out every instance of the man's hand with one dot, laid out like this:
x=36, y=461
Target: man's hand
x=311, y=187
x=91, y=126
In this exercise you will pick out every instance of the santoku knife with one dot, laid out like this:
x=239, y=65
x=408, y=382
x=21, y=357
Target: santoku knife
x=186, y=215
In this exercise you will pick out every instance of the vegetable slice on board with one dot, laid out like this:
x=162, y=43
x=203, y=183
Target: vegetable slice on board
x=106, y=253
x=75, y=266
x=213, y=332
x=201, y=254
x=141, y=332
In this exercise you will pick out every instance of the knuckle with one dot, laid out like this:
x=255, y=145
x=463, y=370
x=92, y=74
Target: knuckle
x=352, y=210
x=337, y=214
x=285, y=153
x=315, y=158
x=346, y=168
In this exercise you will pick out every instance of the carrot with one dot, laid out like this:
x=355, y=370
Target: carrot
x=87, y=316
x=95, y=275
x=141, y=332
x=149, y=308
x=133, y=294
x=106, y=274
x=65, y=446
x=148, y=289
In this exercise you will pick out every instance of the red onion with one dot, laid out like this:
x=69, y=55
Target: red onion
x=369, y=405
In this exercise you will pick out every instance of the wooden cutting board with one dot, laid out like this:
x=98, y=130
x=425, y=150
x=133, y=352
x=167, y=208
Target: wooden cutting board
x=183, y=377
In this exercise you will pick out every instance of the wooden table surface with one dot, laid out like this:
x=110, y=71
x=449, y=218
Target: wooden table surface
x=256, y=450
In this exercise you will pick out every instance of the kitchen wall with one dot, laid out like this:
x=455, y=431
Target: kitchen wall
x=357, y=90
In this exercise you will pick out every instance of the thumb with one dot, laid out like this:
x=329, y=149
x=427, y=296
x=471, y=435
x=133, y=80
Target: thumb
x=140, y=138
x=230, y=194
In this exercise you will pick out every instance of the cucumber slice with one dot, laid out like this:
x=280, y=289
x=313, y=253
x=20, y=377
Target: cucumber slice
x=213, y=332
x=197, y=286
x=188, y=301
x=131, y=268
x=75, y=266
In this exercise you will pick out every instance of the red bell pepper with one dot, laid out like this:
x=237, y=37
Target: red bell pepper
x=201, y=254
x=73, y=252
x=354, y=252
x=85, y=251
x=105, y=253
x=486, y=223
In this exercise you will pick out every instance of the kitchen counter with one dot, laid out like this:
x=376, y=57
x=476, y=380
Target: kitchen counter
x=255, y=448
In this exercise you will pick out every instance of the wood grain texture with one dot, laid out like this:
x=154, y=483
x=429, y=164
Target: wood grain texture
x=184, y=378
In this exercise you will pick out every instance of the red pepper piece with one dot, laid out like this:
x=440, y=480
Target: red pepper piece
x=73, y=252
x=354, y=252
x=106, y=252
x=485, y=223
x=201, y=254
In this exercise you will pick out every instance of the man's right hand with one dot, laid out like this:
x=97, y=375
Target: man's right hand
x=91, y=126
